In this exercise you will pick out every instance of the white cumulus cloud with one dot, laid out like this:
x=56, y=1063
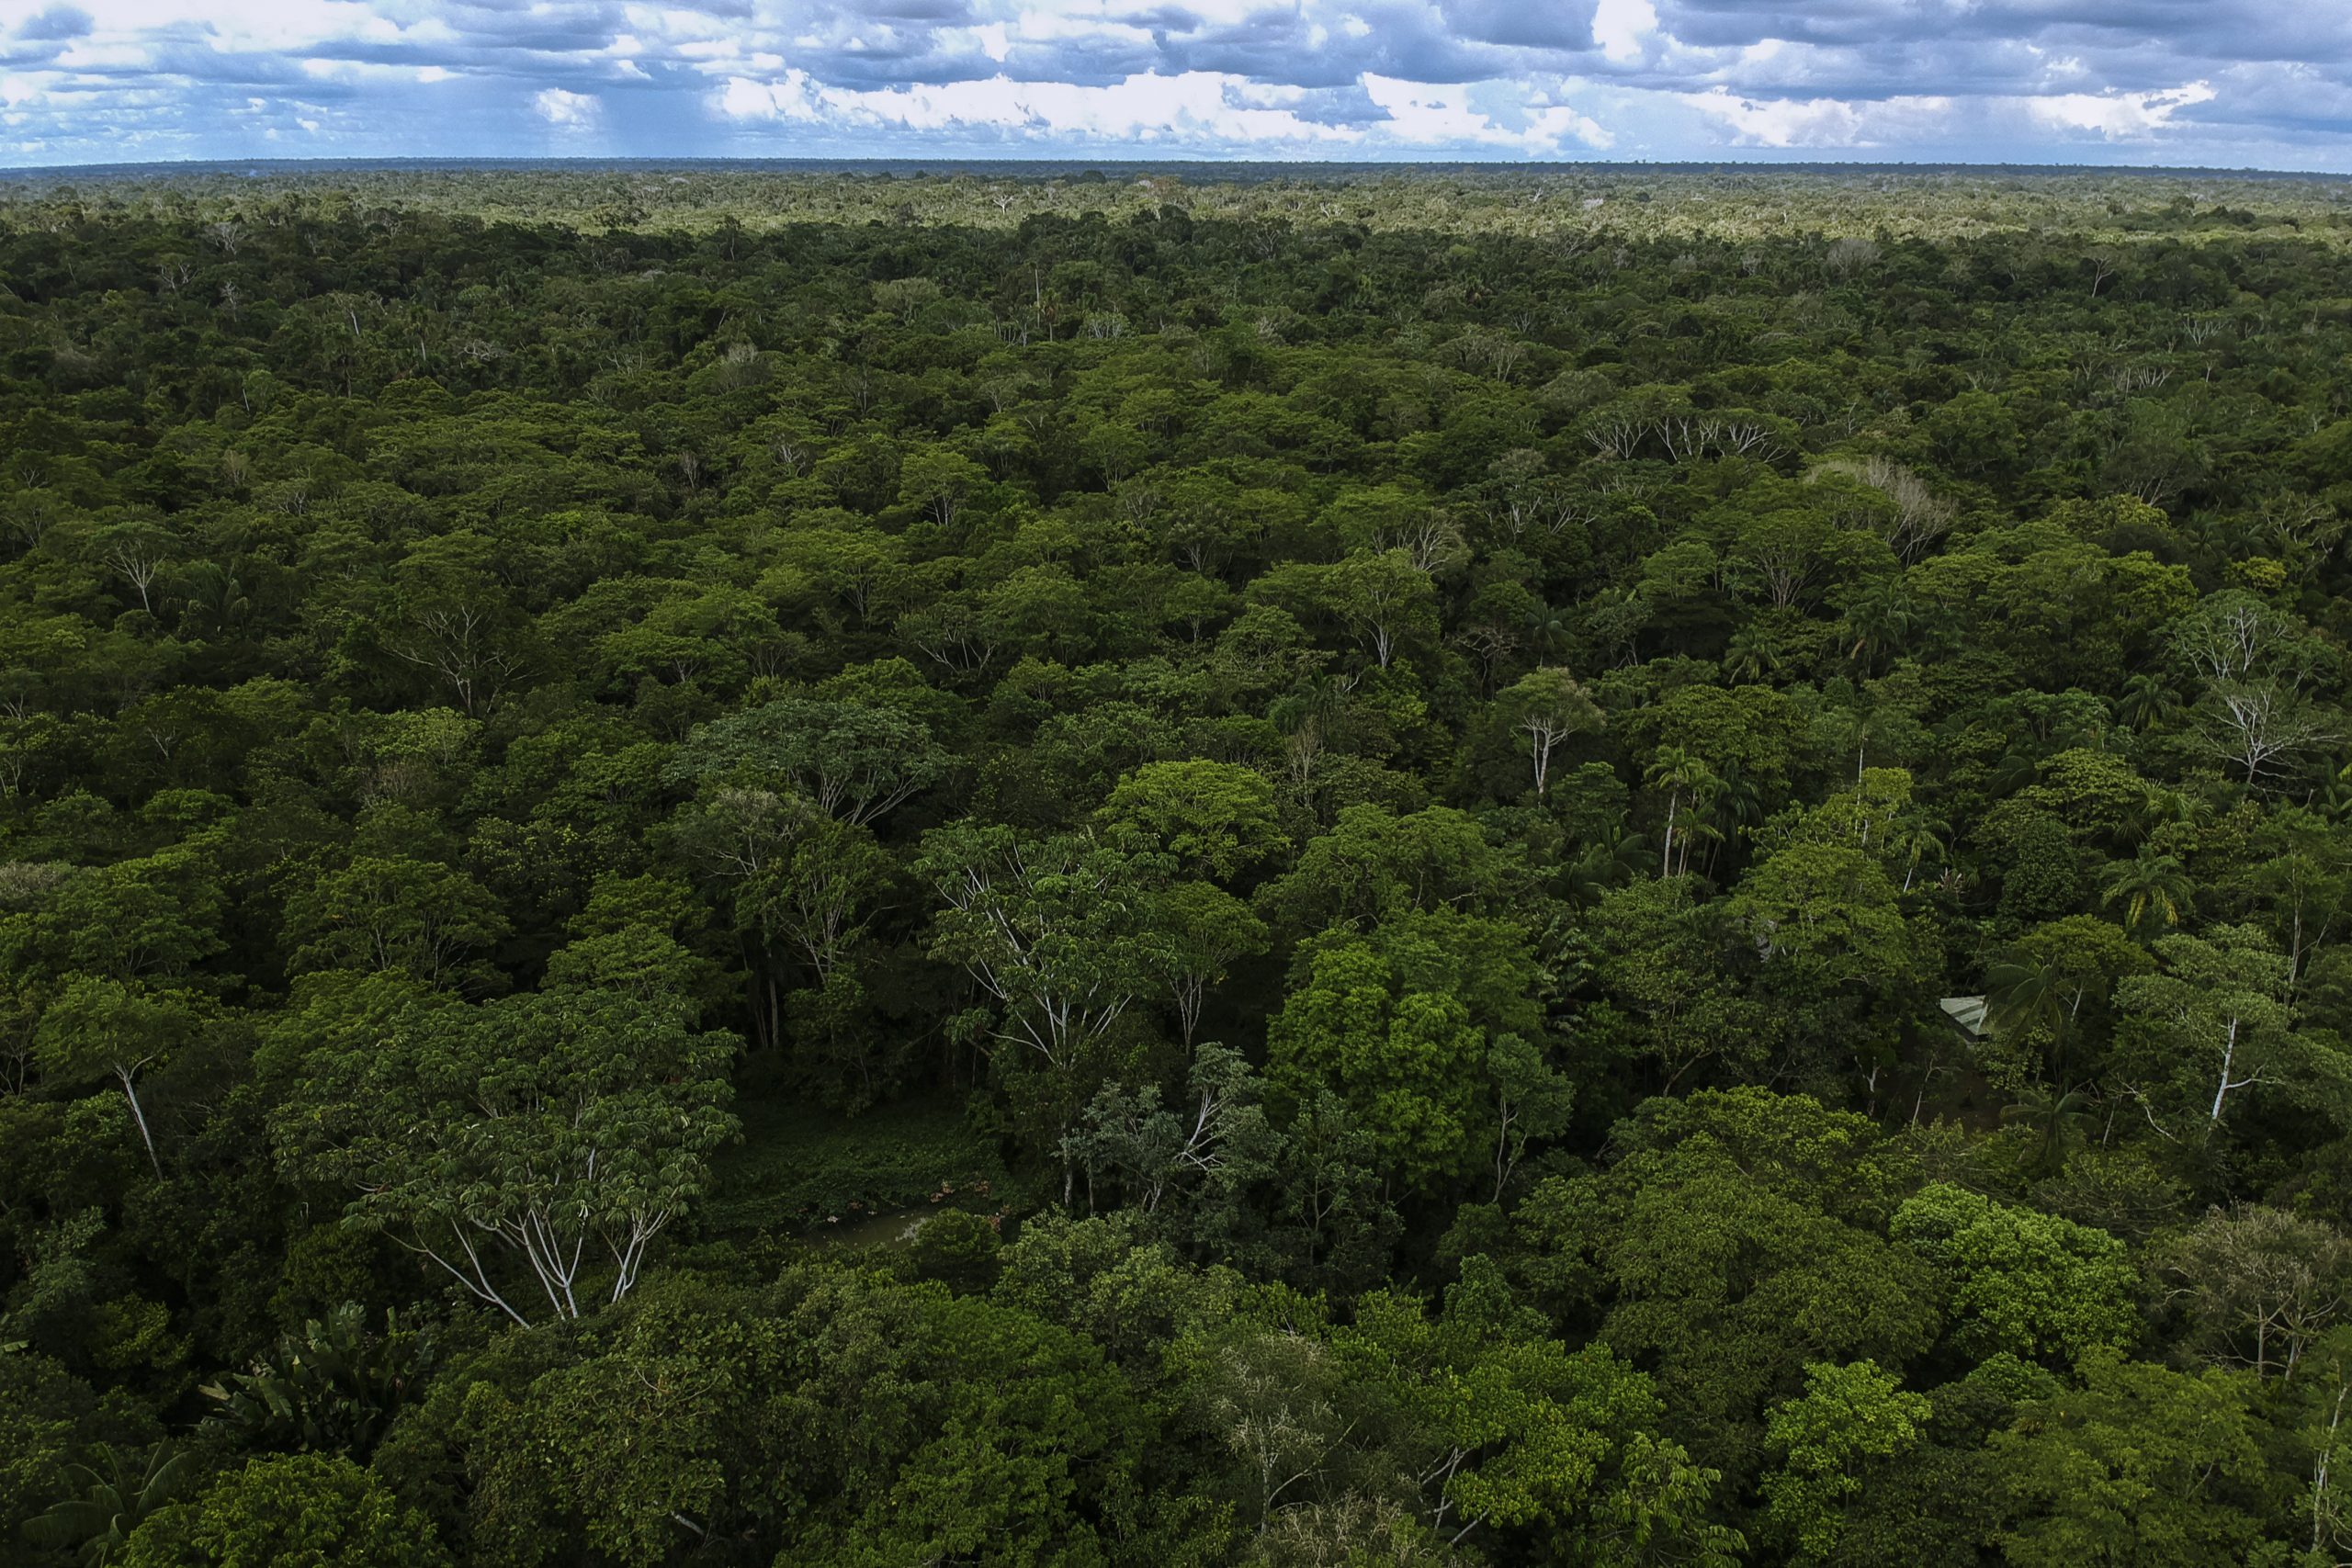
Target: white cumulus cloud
x=2223, y=82
x=568, y=110
x=2115, y=114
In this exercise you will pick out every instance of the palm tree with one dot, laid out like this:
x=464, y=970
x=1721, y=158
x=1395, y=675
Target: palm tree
x=1697, y=829
x=1917, y=837
x=1859, y=726
x=2016, y=768
x=2024, y=994
x=2060, y=1121
x=1607, y=861
x=2153, y=889
x=1546, y=629
x=1753, y=653
x=2149, y=702
x=115, y=1501
x=1738, y=806
x=1877, y=621
x=2159, y=807
x=1682, y=776
x=1741, y=803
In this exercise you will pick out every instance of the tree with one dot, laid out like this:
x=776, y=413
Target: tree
x=532, y=1129
x=1061, y=935
x=2139, y=1466
x=1388, y=599
x=2328, y=1437
x=1785, y=552
x=2154, y=890
x=295, y=1508
x=1216, y=819
x=2258, y=723
x=1332, y=1222
x=1056, y=932
x=1200, y=931
x=853, y=761
x=1406, y=1059
x=152, y=917
x=2255, y=662
x=1510, y=1435
x=939, y=482
x=454, y=621
x=1272, y=1402
x=395, y=913
x=2305, y=874
x=116, y=1498
x=1828, y=918
x=2214, y=1012
x=1214, y=1135
x=1738, y=1236
x=2026, y=1283
x=1547, y=706
x=1847, y=1417
x=137, y=551
x=1878, y=620
x=2049, y=991
x=336, y=1385
x=914, y=1421
x=2264, y=1284
x=99, y=1027
x=1683, y=777
x=1374, y=861
x=1531, y=1100
x=813, y=893
x=644, y=1443
x=2059, y=1122
x=2150, y=702
x=713, y=635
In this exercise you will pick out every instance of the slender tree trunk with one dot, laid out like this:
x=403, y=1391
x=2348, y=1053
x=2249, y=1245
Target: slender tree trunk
x=2320, y=1474
x=2222, y=1089
x=139, y=1117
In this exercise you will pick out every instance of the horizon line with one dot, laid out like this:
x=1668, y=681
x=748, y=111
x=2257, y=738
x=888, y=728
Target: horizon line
x=885, y=163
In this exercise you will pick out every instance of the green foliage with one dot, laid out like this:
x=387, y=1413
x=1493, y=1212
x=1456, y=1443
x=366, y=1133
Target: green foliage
x=2140, y=1465
x=336, y=1385
x=1846, y=1418
x=537, y=1126
x=796, y=1167
x=853, y=760
x=46, y=1415
x=1397, y=1021
x=1214, y=819
x=113, y=1499
x=303, y=1509
x=1738, y=1239
x=395, y=915
x=1387, y=797
x=2019, y=1282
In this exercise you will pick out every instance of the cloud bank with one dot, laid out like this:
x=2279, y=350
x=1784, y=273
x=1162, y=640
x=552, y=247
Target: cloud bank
x=2224, y=83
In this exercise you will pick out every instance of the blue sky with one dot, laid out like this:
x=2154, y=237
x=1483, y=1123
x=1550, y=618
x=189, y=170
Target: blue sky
x=2219, y=83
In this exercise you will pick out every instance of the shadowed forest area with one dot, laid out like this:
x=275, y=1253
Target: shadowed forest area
x=711, y=866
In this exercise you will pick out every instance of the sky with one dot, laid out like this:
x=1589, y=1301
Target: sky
x=2225, y=83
